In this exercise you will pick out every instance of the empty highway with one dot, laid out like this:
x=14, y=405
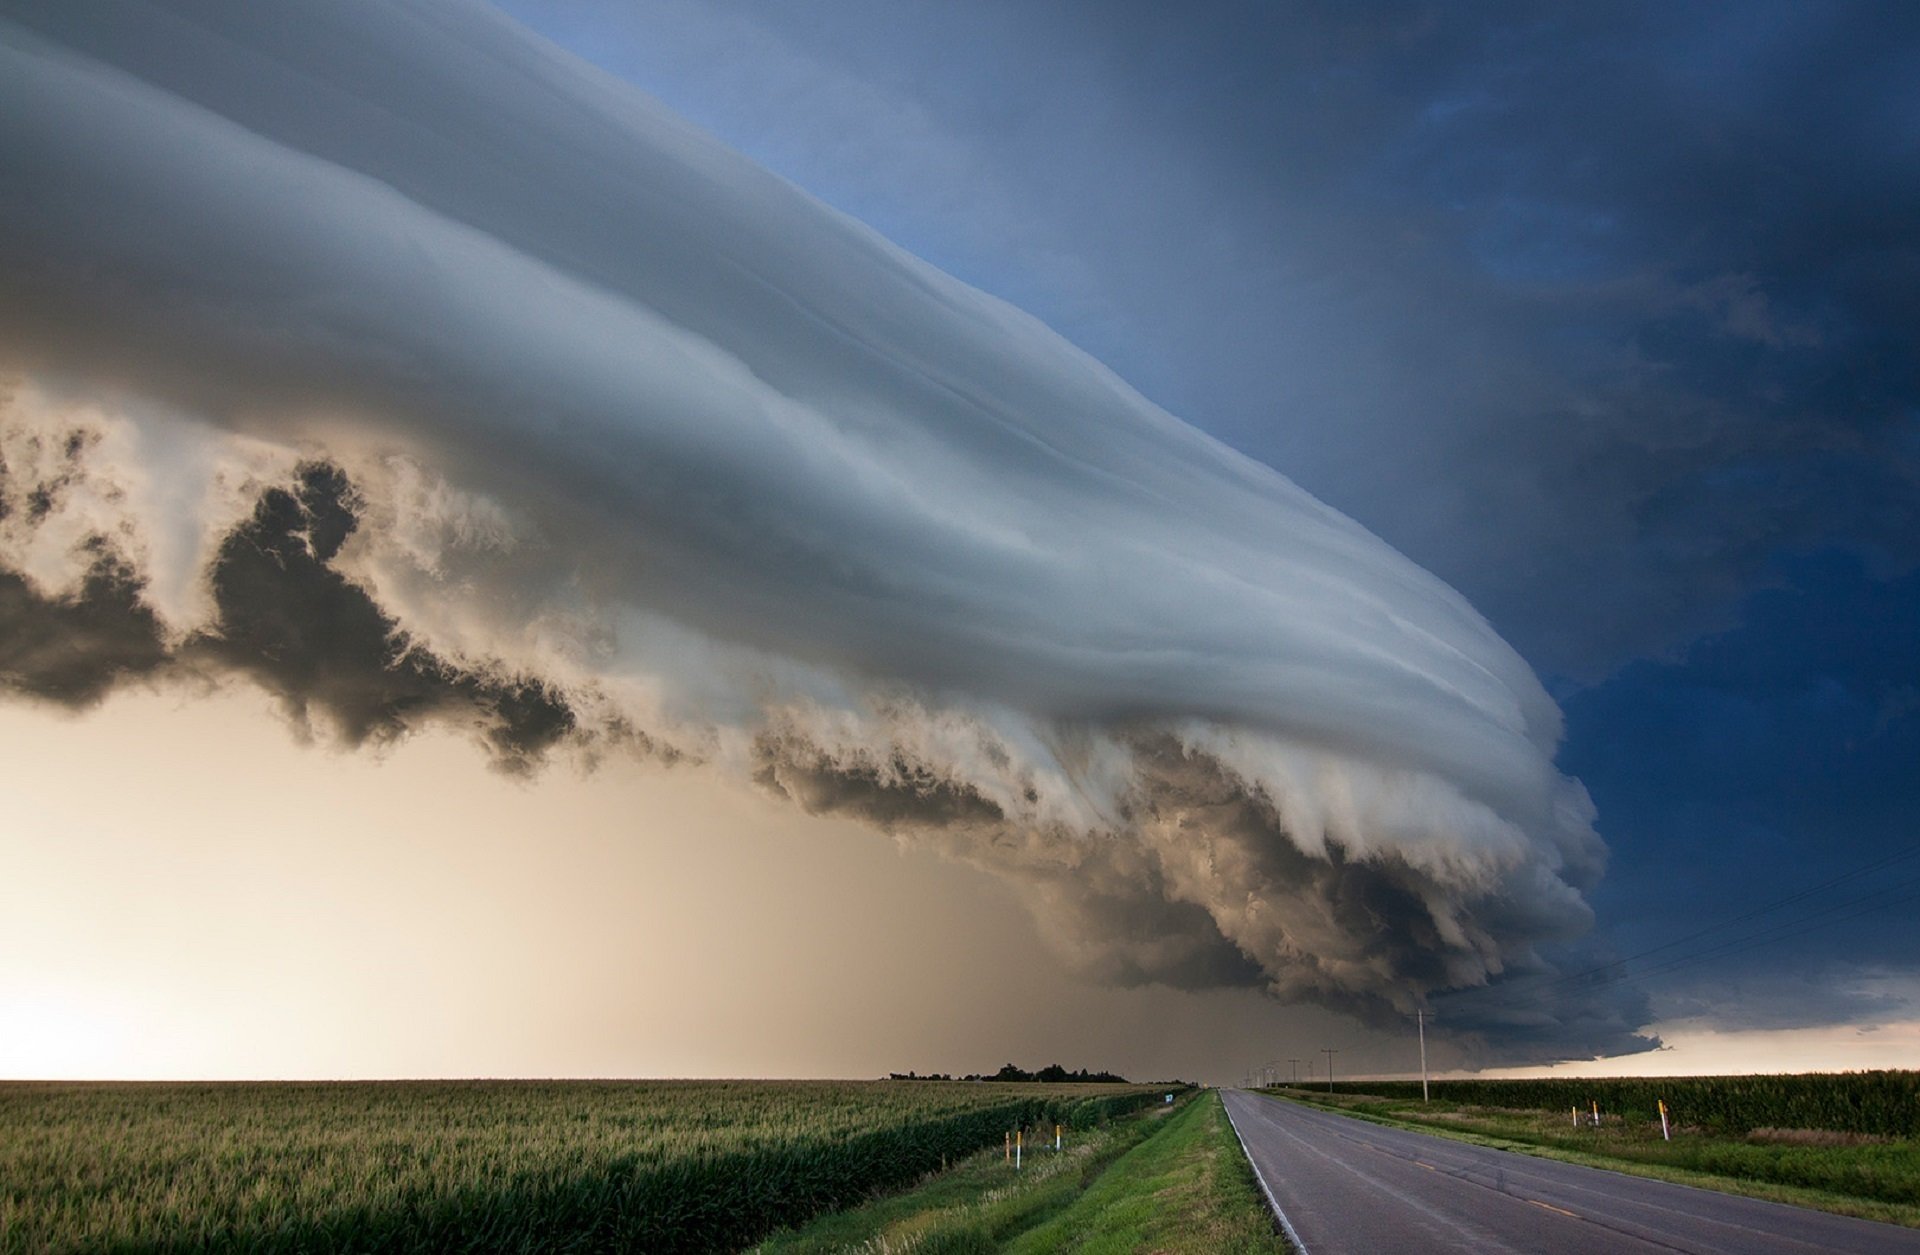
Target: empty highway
x=1347, y=1187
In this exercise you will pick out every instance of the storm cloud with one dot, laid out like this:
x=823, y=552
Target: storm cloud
x=1613, y=301
x=395, y=361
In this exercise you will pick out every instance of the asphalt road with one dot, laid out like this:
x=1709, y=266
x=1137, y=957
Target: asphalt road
x=1346, y=1187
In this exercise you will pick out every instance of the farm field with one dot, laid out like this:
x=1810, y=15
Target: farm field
x=1843, y=1142
x=499, y=1166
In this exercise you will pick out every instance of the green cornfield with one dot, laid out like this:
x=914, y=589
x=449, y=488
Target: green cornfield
x=1882, y=1104
x=483, y=1165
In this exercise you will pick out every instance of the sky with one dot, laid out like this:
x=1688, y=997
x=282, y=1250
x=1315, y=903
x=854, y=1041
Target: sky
x=930, y=535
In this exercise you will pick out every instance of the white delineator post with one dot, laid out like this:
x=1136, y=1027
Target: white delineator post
x=1018, y=1139
x=1422, y=1013
x=1056, y=1138
x=1666, y=1133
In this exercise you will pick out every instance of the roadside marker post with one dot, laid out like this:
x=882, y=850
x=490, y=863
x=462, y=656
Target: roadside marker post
x=1666, y=1133
x=1422, y=1013
x=1009, y=1148
x=1018, y=1138
x=1596, y=1113
x=1056, y=1139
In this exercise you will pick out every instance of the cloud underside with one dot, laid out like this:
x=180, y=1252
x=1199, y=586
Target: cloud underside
x=1190, y=876
x=424, y=417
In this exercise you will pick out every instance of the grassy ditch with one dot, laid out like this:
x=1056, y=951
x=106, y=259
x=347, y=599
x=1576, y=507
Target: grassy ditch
x=1867, y=1175
x=1167, y=1181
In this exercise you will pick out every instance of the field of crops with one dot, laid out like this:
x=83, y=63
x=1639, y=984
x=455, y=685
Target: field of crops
x=498, y=1166
x=1883, y=1104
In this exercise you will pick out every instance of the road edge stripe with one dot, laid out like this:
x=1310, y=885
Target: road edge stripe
x=1286, y=1226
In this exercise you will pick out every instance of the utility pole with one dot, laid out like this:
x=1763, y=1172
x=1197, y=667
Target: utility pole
x=1329, y=1053
x=1422, y=1013
x=1296, y=1070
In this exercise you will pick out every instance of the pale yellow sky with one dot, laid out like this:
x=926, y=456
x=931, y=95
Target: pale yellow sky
x=1692, y=1050
x=187, y=892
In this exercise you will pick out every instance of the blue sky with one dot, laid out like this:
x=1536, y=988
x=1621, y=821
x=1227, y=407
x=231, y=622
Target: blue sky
x=1608, y=316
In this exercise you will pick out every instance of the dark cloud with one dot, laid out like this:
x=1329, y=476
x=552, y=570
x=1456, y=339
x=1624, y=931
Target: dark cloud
x=1122, y=924
x=892, y=795
x=1203, y=875
x=303, y=632
x=285, y=620
x=75, y=649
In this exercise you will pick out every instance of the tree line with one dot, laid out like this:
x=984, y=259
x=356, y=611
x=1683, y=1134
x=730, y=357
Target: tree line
x=1052, y=1074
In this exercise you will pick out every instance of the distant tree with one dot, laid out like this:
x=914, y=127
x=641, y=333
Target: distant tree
x=1052, y=1074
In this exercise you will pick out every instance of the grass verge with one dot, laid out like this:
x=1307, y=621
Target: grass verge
x=1878, y=1181
x=1171, y=1181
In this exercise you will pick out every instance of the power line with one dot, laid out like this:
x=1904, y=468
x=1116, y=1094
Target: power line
x=1767, y=908
x=1515, y=990
x=1901, y=894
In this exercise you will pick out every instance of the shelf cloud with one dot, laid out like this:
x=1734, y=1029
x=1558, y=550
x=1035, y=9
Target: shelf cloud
x=390, y=359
